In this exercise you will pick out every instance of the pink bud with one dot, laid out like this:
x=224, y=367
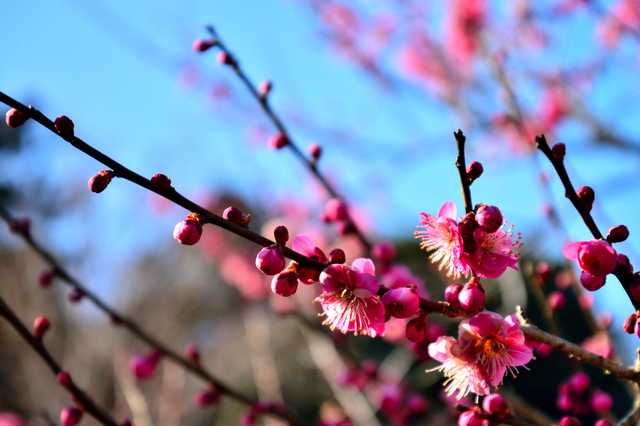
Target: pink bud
x=281, y=234
x=15, y=118
x=474, y=170
x=496, y=405
x=384, y=251
x=559, y=150
x=64, y=379
x=233, y=214
x=70, y=416
x=489, y=218
x=337, y=256
x=277, y=141
x=75, y=295
x=100, y=180
x=154, y=356
x=64, y=126
x=585, y=300
x=192, y=353
x=187, y=232
x=206, y=398
x=315, y=151
x=401, y=302
x=285, y=284
x=579, y=382
x=570, y=421
x=617, y=234
x=472, y=295
x=544, y=272
x=141, y=367
x=334, y=210
x=45, y=279
x=202, y=45
x=160, y=182
x=40, y=326
x=586, y=197
x=603, y=422
x=636, y=329
x=20, y=226
x=416, y=330
x=624, y=264
x=601, y=402
x=270, y=260
x=452, y=294
x=248, y=419
x=391, y=399
x=225, y=58
x=470, y=418
x=556, y=301
x=417, y=404
x=467, y=225
x=264, y=89
x=126, y=422
x=592, y=282
x=344, y=228
x=630, y=323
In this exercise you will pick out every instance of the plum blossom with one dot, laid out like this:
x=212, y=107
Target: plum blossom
x=349, y=298
x=495, y=252
x=442, y=235
x=595, y=257
x=487, y=347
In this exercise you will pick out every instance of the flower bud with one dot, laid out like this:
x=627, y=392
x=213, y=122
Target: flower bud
x=556, y=301
x=470, y=418
x=634, y=288
x=579, y=382
x=99, y=181
x=64, y=379
x=569, y=421
x=285, y=284
x=344, y=228
x=160, y=182
x=624, y=264
x=126, y=422
x=472, y=295
x=585, y=300
x=315, y=151
x=75, y=295
x=452, y=294
x=474, y=170
x=496, y=405
x=416, y=330
x=277, y=141
x=142, y=367
x=264, y=89
x=337, y=256
x=270, y=260
x=206, y=398
x=15, y=118
x=192, y=353
x=70, y=416
x=281, y=234
x=617, y=234
x=335, y=210
x=40, y=326
x=401, y=302
x=630, y=323
x=559, y=150
x=64, y=126
x=188, y=232
x=586, y=197
x=225, y=58
x=601, y=402
x=489, y=218
x=232, y=214
x=248, y=418
x=202, y=45
x=603, y=422
x=467, y=225
x=384, y=252
x=20, y=226
x=544, y=272
x=45, y=279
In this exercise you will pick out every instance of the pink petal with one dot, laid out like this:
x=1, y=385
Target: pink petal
x=364, y=265
x=303, y=245
x=570, y=251
x=449, y=210
x=520, y=354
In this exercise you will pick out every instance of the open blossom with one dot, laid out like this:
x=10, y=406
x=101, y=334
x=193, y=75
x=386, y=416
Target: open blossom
x=349, y=298
x=487, y=347
x=494, y=252
x=595, y=257
x=442, y=235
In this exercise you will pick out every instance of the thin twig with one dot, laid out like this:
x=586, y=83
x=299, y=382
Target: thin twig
x=462, y=170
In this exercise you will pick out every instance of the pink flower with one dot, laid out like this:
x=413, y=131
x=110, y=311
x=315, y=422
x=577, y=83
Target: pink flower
x=494, y=252
x=595, y=257
x=303, y=245
x=442, y=235
x=348, y=298
x=487, y=347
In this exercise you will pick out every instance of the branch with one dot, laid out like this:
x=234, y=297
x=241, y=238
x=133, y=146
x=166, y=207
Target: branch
x=80, y=396
x=462, y=170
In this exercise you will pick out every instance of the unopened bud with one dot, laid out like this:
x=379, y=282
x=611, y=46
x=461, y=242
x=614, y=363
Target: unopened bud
x=384, y=252
x=20, y=226
x=337, y=256
x=141, y=367
x=64, y=126
x=489, y=218
x=45, y=279
x=472, y=296
x=467, y=225
x=470, y=418
x=570, y=421
x=188, y=231
x=281, y=234
x=202, y=45
x=496, y=405
x=206, y=398
x=100, y=180
x=264, y=89
x=75, y=295
x=617, y=234
x=556, y=301
x=586, y=197
x=233, y=214
x=70, y=416
x=469, y=244
x=559, y=150
x=64, y=379
x=160, y=182
x=270, y=260
x=15, y=118
x=592, y=282
x=401, y=302
x=624, y=264
x=285, y=284
x=192, y=353
x=277, y=141
x=452, y=293
x=40, y=326
x=416, y=330
x=225, y=58
x=474, y=170
x=315, y=151
x=334, y=210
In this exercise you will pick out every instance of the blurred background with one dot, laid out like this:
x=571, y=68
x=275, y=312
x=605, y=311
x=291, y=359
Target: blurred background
x=381, y=85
